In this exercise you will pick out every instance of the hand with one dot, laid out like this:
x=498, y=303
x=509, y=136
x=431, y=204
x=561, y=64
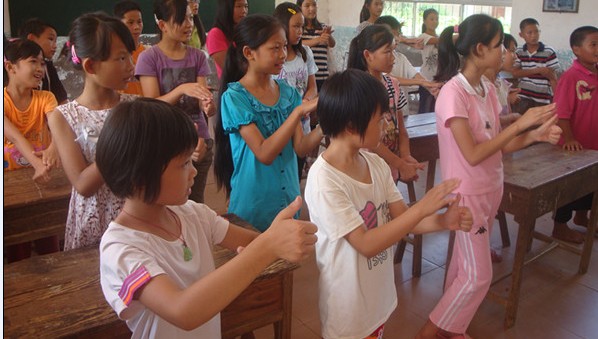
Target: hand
x=548, y=131
x=292, y=240
x=457, y=218
x=308, y=107
x=433, y=87
x=408, y=171
x=200, y=150
x=41, y=174
x=50, y=157
x=195, y=90
x=513, y=96
x=572, y=145
x=208, y=106
x=535, y=116
x=438, y=197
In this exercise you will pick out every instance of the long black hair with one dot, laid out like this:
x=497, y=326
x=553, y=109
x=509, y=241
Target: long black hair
x=371, y=38
x=201, y=31
x=283, y=13
x=252, y=32
x=475, y=29
x=315, y=23
x=365, y=12
x=224, y=18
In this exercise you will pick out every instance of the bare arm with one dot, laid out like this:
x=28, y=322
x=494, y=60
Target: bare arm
x=12, y=133
x=151, y=89
x=219, y=58
x=84, y=177
x=570, y=143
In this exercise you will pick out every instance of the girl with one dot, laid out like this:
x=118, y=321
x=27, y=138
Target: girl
x=175, y=72
x=370, y=12
x=430, y=59
x=101, y=46
x=258, y=134
x=129, y=12
x=299, y=68
x=471, y=148
x=228, y=14
x=318, y=37
x=156, y=265
x=372, y=51
x=26, y=135
x=198, y=37
x=360, y=212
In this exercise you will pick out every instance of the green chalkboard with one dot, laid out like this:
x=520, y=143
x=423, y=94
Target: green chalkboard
x=60, y=13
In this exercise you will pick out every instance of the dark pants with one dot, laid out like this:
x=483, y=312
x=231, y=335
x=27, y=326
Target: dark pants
x=525, y=104
x=426, y=101
x=202, y=167
x=564, y=214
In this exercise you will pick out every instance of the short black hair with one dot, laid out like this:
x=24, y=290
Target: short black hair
x=527, y=22
x=579, y=35
x=138, y=140
x=390, y=21
x=507, y=40
x=124, y=6
x=349, y=100
x=19, y=49
x=34, y=26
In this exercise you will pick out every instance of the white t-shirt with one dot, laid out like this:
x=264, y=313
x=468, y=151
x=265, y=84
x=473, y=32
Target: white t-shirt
x=402, y=67
x=357, y=294
x=429, y=58
x=130, y=258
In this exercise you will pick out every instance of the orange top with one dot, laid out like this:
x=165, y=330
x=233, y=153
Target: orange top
x=134, y=86
x=31, y=123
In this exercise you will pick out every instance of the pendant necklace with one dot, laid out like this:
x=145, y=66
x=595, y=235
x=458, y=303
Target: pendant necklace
x=187, y=254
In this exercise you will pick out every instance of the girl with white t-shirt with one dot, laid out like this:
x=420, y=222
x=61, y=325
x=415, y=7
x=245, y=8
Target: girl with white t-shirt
x=429, y=58
x=156, y=265
x=359, y=211
x=471, y=148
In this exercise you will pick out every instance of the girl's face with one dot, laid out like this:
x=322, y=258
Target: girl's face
x=177, y=180
x=510, y=56
x=26, y=72
x=380, y=60
x=134, y=22
x=373, y=134
x=296, y=28
x=115, y=72
x=309, y=9
x=47, y=41
x=270, y=56
x=495, y=53
x=431, y=21
x=193, y=6
x=376, y=7
x=240, y=10
x=179, y=32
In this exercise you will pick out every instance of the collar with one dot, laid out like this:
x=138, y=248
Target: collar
x=578, y=66
x=540, y=47
x=467, y=86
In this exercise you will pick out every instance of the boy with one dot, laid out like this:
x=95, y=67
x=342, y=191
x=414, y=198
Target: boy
x=536, y=65
x=44, y=35
x=577, y=107
x=359, y=211
x=129, y=13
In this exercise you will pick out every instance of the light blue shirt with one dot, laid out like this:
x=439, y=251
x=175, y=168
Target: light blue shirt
x=259, y=191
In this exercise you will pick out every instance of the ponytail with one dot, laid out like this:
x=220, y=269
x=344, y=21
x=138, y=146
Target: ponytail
x=372, y=38
x=448, y=57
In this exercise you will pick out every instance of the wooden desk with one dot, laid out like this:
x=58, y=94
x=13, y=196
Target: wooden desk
x=423, y=141
x=33, y=211
x=59, y=295
x=537, y=180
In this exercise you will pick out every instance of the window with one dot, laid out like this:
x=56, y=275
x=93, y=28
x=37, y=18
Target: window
x=449, y=14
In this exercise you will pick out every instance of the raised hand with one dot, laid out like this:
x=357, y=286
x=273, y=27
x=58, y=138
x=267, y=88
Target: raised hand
x=536, y=116
x=457, y=218
x=200, y=150
x=438, y=197
x=548, y=131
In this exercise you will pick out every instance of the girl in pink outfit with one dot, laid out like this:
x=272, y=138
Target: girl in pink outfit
x=471, y=147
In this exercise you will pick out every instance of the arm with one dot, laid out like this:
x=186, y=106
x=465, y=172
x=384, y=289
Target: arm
x=191, y=307
x=12, y=133
x=151, y=88
x=407, y=171
x=303, y=144
x=84, y=177
x=522, y=73
x=207, y=103
x=570, y=143
x=311, y=92
x=419, y=218
x=219, y=58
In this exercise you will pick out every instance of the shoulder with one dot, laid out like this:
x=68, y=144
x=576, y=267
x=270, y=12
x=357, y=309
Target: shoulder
x=147, y=54
x=215, y=33
x=309, y=52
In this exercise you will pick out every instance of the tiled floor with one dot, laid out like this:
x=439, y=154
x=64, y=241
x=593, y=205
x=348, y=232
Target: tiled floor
x=555, y=301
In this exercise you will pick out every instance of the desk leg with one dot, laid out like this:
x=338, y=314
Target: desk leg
x=524, y=236
x=589, y=242
x=431, y=175
x=282, y=328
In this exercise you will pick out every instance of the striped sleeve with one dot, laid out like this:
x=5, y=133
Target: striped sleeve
x=132, y=283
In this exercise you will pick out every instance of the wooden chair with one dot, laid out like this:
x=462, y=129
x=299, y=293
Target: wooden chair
x=416, y=240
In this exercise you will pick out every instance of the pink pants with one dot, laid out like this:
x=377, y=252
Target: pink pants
x=470, y=270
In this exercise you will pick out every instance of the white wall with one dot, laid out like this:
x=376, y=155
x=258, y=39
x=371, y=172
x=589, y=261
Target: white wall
x=6, y=18
x=555, y=27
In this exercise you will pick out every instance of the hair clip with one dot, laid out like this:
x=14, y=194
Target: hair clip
x=292, y=11
x=74, y=56
x=456, y=28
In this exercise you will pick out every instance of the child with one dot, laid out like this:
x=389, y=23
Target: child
x=27, y=139
x=228, y=14
x=259, y=134
x=370, y=12
x=299, y=68
x=536, y=66
x=176, y=73
x=471, y=148
x=372, y=51
x=360, y=212
x=129, y=12
x=576, y=97
x=198, y=36
x=156, y=265
x=318, y=37
x=101, y=46
x=430, y=59
x=44, y=35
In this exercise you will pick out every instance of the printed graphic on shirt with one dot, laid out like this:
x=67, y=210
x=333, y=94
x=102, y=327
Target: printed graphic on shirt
x=583, y=90
x=369, y=214
x=172, y=78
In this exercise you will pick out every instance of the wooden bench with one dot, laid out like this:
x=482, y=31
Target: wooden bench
x=59, y=295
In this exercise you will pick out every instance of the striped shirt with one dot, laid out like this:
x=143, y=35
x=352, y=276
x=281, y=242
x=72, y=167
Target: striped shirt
x=536, y=87
x=320, y=52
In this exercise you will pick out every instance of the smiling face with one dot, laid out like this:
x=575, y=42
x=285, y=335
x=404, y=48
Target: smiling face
x=26, y=72
x=431, y=21
x=270, y=56
x=240, y=10
x=47, y=41
x=587, y=53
